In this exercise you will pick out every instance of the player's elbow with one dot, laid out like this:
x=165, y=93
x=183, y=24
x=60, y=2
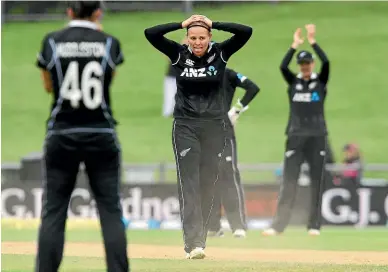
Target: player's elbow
x=255, y=89
x=148, y=33
x=249, y=31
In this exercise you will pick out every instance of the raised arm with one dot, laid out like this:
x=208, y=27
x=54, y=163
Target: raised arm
x=288, y=75
x=155, y=35
x=242, y=34
x=325, y=68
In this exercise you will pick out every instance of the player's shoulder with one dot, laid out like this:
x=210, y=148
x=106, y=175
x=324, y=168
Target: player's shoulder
x=215, y=47
x=52, y=34
x=109, y=36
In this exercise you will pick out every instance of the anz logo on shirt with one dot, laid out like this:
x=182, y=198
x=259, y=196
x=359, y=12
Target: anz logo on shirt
x=201, y=72
x=306, y=97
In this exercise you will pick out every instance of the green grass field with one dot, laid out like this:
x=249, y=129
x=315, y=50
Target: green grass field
x=338, y=249
x=354, y=35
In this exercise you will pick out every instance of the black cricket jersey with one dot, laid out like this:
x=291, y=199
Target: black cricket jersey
x=81, y=61
x=232, y=80
x=199, y=79
x=306, y=97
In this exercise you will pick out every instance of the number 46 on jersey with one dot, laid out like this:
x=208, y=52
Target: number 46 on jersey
x=71, y=90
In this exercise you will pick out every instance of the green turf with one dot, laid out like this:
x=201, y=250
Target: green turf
x=295, y=238
x=23, y=263
x=353, y=34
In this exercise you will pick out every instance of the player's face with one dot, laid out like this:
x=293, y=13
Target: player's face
x=199, y=39
x=306, y=68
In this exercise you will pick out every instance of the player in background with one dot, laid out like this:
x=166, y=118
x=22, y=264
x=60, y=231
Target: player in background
x=306, y=132
x=78, y=64
x=229, y=190
x=199, y=116
x=169, y=88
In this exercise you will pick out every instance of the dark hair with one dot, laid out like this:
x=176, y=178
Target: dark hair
x=84, y=9
x=200, y=24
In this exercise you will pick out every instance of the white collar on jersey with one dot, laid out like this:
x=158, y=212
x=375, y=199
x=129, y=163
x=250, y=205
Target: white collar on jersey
x=82, y=23
x=313, y=76
x=208, y=50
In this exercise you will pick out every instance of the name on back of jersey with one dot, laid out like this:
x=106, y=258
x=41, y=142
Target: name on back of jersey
x=82, y=49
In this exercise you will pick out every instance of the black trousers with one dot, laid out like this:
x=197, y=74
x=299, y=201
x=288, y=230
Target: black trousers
x=63, y=154
x=299, y=149
x=198, y=147
x=229, y=191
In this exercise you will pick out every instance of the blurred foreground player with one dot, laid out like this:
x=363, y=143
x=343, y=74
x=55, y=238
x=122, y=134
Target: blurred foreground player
x=229, y=190
x=78, y=65
x=306, y=132
x=169, y=91
x=199, y=125
x=169, y=88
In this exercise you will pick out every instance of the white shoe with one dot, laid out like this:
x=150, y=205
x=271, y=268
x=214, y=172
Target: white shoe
x=314, y=232
x=196, y=253
x=269, y=232
x=239, y=233
x=211, y=233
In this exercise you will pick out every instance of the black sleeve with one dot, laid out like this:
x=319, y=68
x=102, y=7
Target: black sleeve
x=251, y=89
x=241, y=35
x=155, y=35
x=288, y=75
x=45, y=55
x=324, y=74
x=116, y=54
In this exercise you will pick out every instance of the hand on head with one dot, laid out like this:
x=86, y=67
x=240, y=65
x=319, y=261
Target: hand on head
x=197, y=18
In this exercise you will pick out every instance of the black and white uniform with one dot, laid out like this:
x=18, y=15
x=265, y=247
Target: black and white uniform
x=306, y=139
x=81, y=61
x=198, y=134
x=230, y=191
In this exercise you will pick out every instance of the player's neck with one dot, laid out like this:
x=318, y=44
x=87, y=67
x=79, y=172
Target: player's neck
x=83, y=23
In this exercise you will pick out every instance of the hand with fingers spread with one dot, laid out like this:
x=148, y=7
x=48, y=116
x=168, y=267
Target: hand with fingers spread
x=196, y=18
x=298, y=39
x=190, y=20
x=310, y=33
x=207, y=21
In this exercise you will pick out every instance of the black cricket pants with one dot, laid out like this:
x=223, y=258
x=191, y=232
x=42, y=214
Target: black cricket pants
x=298, y=149
x=229, y=191
x=198, y=147
x=63, y=154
